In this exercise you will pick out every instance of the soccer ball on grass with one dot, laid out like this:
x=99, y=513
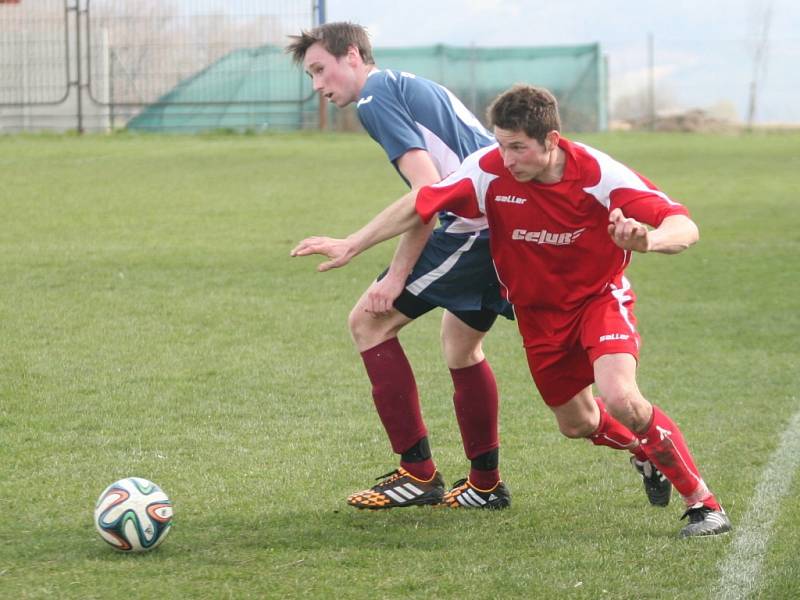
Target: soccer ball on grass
x=133, y=515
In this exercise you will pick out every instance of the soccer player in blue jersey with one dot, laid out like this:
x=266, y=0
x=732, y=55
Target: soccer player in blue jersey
x=426, y=133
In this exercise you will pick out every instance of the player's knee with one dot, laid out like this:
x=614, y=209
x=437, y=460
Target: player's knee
x=368, y=331
x=361, y=325
x=619, y=399
x=625, y=403
x=460, y=354
x=462, y=346
x=576, y=430
x=354, y=318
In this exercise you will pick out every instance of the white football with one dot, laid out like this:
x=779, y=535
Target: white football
x=133, y=515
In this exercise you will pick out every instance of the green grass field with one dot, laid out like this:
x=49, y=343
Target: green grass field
x=153, y=324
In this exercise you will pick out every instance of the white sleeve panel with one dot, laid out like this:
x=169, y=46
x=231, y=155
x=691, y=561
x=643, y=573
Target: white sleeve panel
x=444, y=159
x=614, y=175
x=470, y=169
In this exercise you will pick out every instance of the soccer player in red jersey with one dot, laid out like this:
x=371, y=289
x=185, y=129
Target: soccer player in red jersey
x=564, y=220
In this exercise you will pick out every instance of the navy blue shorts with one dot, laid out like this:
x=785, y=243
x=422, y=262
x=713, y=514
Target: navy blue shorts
x=455, y=271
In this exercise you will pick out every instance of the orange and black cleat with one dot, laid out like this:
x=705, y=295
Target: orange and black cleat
x=466, y=495
x=400, y=488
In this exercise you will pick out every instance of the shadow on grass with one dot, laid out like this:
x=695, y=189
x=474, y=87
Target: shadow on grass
x=422, y=530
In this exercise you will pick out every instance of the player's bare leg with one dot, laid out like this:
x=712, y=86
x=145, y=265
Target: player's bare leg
x=368, y=330
x=462, y=345
x=586, y=416
x=661, y=440
x=579, y=417
x=615, y=375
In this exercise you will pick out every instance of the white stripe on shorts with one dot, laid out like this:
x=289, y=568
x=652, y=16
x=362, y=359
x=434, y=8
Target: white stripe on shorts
x=621, y=295
x=418, y=286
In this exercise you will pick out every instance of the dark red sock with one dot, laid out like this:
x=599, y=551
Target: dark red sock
x=484, y=480
x=395, y=394
x=476, y=403
x=614, y=434
x=417, y=460
x=423, y=470
x=665, y=447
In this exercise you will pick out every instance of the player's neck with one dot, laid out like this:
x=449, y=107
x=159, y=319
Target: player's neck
x=363, y=74
x=555, y=168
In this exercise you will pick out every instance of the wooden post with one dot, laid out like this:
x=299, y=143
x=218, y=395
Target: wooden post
x=323, y=113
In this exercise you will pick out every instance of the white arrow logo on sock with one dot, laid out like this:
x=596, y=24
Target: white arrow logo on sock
x=664, y=433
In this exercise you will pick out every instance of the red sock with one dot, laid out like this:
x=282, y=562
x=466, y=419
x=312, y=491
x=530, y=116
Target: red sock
x=395, y=393
x=422, y=470
x=417, y=460
x=614, y=434
x=665, y=447
x=476, y=404
x=484, y=480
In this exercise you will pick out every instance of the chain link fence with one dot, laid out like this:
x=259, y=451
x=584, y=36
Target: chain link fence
x=95, y=64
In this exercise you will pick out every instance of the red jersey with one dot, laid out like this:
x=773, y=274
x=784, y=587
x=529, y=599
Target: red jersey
x=550, y=242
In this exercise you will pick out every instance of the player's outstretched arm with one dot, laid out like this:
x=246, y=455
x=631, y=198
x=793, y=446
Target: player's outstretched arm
x=675, y=234
x=339, y=251
x=398, y=217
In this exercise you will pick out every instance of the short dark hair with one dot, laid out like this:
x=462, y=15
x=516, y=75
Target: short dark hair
x=336, y=38
x=533, y=110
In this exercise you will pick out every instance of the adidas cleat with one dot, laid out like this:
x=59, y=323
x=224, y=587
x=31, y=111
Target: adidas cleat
x=705, y=521
x=465, y=495
x=399, y=488
x=657, y=487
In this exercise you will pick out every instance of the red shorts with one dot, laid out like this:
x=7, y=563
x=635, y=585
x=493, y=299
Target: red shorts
x=562, y=346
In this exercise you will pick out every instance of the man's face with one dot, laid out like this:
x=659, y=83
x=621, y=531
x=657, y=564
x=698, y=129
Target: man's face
x=334, y=78
x=524, y=157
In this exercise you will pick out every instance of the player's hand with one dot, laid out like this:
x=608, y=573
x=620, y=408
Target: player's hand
x=382, y=294
x=337, y=250
x=628, y=233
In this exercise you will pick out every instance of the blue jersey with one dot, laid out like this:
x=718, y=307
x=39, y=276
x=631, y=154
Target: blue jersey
x=404, y=112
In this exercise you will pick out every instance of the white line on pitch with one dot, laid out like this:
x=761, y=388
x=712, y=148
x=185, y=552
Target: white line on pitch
x=741, y=570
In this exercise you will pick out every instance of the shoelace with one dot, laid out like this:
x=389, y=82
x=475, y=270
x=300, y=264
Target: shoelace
x=696, y=513
x=649, y=470
x=459, y=483
x=390, y=476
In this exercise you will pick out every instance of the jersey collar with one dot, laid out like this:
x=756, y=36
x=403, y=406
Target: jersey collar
x=571, y=171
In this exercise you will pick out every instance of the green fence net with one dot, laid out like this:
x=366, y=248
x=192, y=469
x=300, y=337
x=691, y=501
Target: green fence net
x=261, y=89
x=248, y=89
x=575, y=74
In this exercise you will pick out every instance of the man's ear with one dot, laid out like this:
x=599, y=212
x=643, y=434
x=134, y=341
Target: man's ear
x=551, y=140
x=353, y=55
